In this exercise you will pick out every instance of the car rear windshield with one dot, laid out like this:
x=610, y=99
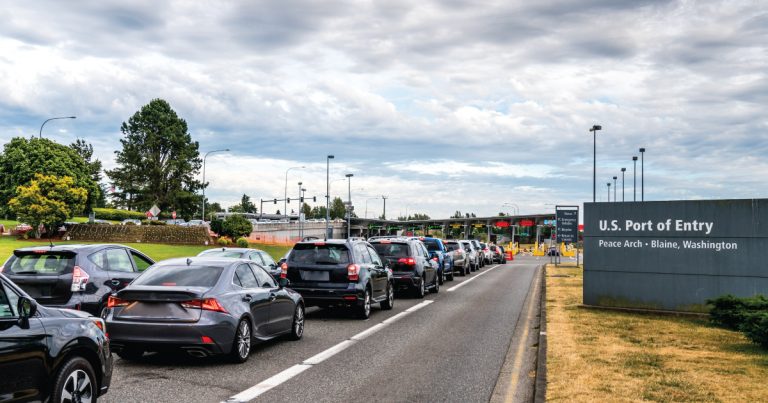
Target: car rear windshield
x=432, y=245
x=391, y=249
x=41, y=262
x=452, y=246
x=222, y=253
x=319, y=254
x=184, y=276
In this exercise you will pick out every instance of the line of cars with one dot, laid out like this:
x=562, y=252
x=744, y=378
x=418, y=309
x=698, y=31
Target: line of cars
x=64, y=309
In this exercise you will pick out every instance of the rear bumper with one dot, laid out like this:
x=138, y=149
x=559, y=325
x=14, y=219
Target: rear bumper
x=353, y=295
x=406, y=281
x=160, y=336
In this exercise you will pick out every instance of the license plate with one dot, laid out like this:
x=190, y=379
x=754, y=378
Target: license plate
x=307, y=275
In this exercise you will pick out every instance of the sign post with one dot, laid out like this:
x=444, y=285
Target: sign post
x=567, y=226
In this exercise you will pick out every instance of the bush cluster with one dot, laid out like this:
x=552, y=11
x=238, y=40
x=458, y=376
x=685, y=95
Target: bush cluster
x=748, y=315
x=117, y=214
x=223, y=241
x=242, y=243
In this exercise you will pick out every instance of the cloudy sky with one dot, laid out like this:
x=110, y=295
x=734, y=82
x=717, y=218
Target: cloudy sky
x=441, y=105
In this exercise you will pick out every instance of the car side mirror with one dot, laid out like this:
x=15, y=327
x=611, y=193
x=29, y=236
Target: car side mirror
x=26, y=307
x=283, y=282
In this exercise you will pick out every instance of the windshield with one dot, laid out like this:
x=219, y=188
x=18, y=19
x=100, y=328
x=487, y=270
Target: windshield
x=319, y=254
x=42, y=262
x=391, y=249
x=432, y=245
x=185, y=276
x=451, y=246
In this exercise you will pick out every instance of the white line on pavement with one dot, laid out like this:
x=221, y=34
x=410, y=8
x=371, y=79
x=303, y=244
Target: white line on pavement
x=457, y=286
x=267, y=384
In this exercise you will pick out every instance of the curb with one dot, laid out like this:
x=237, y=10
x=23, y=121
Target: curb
x=540, y=384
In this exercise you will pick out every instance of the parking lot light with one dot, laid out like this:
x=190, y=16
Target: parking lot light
x=327, y=194
x=594, y=130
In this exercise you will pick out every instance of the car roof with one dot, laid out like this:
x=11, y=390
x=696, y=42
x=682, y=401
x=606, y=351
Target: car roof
x=225, y=249
x=69, y=247
x=202, y=260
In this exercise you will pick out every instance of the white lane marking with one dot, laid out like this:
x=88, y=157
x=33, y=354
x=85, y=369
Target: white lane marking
x=276, y=380
x=269, y=383
x=318, y=358
x=457, y=286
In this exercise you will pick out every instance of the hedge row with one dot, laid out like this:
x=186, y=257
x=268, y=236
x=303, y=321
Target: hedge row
x=117, y=214
x=747, y=315
x=170, y=234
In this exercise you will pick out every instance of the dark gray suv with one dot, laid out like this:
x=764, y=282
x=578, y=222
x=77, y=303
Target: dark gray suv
x=79, y=277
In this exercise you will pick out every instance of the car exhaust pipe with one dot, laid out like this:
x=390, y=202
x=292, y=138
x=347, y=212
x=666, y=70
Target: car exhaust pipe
x=197, y=352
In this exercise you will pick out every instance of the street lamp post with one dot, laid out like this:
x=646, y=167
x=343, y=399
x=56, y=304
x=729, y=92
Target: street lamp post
x=349, y=203
x=285, y=194
x=594, y=130
x=204, y=158
x=614, y=189
x=301, y=223
x=366, y=205
x=634, y=179
x=48, y=120
x=609, y=191
x=327, y=194
x=384, y=214
x=642, y=175
x=512, y=205
x=622, y=183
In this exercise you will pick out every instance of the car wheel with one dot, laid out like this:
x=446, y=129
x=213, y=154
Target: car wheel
x=241, y=346
x=364, y=311
x=297, y=328
x=441, y=277
x=389, y=302
x=130, y=353
x=450, y=275
x=421, y=290
x=75, y=382
x=436, y=288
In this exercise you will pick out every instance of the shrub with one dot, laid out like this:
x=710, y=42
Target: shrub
x=236, y=226
x=730, y=312
x=117, y=214
x=216, y=225
x=157, y=222
x=223, y=241
x=242, y=243
x=755, y=327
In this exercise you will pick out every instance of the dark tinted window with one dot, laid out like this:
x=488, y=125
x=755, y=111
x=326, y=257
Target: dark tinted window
x=374, y=256
x=41, y=263
x=246, y=277
x=451, y=246
x=7, y=302
x=432, y=245
x=392, y=249
x=361, y=254
x=189, y=276
x=319, y=254
x=264, y=278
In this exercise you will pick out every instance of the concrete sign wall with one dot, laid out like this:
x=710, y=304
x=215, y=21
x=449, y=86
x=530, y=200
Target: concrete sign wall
x=674, y=255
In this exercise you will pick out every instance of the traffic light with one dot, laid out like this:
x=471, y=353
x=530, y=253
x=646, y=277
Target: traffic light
x=314, y=198
x=275, y=201
x=289, y=200
x=301, y=200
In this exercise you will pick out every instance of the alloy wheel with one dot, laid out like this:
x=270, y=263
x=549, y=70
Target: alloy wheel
x=78, y=388
x=244, y=339
x=298, y=324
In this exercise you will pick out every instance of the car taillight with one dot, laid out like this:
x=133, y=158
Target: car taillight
x=79, y=279
x=113, y=301
x=207, y=304
x=407, y=261
x=284, y=270
x=100, y=324
x=435, y=259
x=1, y=268
x=353, y=272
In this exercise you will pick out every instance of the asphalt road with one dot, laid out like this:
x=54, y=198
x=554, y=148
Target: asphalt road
x=449, y=347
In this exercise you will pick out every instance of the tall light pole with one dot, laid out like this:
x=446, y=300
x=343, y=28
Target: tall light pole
x=301, y=223
x=594, y=130
x=349, y=203
x=622, y=183
x=614, y=189
x=634, y=178
x=48, y=120
x=642, y=175
x=204, y=186
x=327, y=194
x=366, y=205
x=285, y=194
x=384, y=214
x=609, y=191
x=512, y=205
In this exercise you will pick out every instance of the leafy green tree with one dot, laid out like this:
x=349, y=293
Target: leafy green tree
x=236, y=226
x=217, y=226
x=307, y=210
x=419, y=216
x=23, y=158
x=457, y=214
x=158, y=163
x=247, y=205
x=48, y=200
x=85, y=150
x=318, y=212
x=337, y=209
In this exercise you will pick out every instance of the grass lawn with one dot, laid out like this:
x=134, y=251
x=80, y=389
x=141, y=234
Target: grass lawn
x=596, y=355
x=153, y=250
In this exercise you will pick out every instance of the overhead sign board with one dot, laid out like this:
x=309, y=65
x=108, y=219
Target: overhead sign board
x=674, y=255
x=567, y=221
x=502, y=224
x=526, y=223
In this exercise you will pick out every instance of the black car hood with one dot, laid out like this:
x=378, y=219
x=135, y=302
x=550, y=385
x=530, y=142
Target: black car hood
x=62, y=312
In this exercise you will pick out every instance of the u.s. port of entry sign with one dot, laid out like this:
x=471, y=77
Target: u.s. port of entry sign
x=674, y=255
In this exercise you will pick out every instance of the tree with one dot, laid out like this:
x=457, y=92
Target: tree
x=85, y=150
x=247, y=205
x=337, y=209
x=235, y=226
x=418, y=216
x=23, y=158
x=158, y=163
x=48, y=200
x=318, y=212
x=457, y=214
x=307, y=210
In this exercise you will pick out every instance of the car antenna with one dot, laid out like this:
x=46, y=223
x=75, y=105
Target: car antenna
x=189, y=261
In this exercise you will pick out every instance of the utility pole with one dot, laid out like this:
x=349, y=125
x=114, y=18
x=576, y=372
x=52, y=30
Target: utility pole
x=384, y=215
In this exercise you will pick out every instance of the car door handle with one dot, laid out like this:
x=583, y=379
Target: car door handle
x=247, y=298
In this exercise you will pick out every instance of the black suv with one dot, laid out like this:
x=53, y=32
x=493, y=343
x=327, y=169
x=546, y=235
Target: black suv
x=412, y=267
x=79, y=277
x=50, y=354
x=340, y=272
